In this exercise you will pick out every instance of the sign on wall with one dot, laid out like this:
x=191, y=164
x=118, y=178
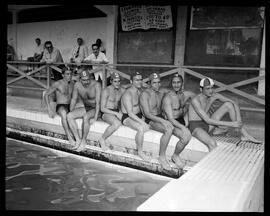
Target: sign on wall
x=145, y=17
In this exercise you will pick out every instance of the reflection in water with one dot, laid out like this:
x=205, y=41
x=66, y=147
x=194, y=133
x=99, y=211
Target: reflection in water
x=38, y=178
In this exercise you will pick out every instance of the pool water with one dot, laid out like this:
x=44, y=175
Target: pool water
x=39, y=178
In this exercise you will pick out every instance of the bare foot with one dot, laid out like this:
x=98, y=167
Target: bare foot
x=82, y=145
x=250, y=139
x=164, y=163
x=76, y=145
x=142, y=155
x=246, y=137
x=178, y=162
x=103, y=144
x=72, y=143
x=220, y=130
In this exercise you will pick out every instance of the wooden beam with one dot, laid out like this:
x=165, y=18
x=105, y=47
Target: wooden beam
x=241, y=83
x=227, y=87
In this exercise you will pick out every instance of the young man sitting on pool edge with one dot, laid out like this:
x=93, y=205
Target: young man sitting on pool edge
x=62, y=91
x=201, y=122
x=110, y=108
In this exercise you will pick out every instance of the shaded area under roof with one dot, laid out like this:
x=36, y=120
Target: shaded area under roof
x=53, y=13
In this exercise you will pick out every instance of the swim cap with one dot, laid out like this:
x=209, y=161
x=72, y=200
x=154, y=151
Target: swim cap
x=154, y=76
x=206, y=82
x=84, y=74
x=115, y=75
x=177, y=75
x=134, y=74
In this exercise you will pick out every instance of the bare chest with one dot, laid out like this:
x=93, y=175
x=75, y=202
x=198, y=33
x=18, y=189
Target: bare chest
x=87, y=93
x=65, y=90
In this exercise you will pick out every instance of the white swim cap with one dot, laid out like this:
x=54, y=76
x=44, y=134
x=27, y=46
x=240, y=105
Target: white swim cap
x=206, y=82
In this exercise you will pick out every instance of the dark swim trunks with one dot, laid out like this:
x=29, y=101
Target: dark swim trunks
x=115, y=110
x=147, y=120
x=181, y=120
x=195, y=124
x=88, y=108
x=125, y=115
x=65, y=106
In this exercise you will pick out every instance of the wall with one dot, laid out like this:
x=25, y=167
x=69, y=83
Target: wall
x=63, y=35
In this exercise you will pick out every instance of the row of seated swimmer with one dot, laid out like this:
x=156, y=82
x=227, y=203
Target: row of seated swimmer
x=171, y=111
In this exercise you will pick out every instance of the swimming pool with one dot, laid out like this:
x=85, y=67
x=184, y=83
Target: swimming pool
x=39, y=178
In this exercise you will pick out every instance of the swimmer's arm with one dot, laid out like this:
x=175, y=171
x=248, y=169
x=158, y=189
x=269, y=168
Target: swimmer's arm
x=224, y=99
x=188, y=97
x=98, y=92
x=234, y=103
x=127, y=102
x=167, y=108
x=104, y=99
x=74, y=97
x=198, y=109
x=144, y=102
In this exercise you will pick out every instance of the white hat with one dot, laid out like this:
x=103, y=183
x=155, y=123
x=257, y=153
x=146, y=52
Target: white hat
x=206, y=82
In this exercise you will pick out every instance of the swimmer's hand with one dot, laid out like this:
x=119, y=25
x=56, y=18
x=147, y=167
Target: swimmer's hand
x=168, y=125
x=119, y=115
x=146, y=127
x=236, y=124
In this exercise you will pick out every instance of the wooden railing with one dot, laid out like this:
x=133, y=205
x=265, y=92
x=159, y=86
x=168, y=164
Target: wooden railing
x=109, y=68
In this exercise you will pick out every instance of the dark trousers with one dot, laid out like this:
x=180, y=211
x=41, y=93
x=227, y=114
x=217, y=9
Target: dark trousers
x=56, y=74
x=108, y=81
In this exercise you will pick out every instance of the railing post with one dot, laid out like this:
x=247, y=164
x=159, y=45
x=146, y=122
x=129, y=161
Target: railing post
x=182, y=72
x=104, y=77
x=48, y=77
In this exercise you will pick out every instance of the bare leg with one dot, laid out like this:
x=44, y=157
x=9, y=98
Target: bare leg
x=226, y=107
x=86, y=126
x=139, y=136
x=77, y=113
x=184, y=136
x=246, y=137
x=114, y=125
x=63, y=113
x=234, y=113
x=205, y=138
x=164, y=141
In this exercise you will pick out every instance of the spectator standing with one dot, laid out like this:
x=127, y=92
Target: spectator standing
x=52, y=55
x=79, y=52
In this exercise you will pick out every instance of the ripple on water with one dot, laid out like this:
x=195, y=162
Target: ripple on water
x=66, y=183
x=96, y=197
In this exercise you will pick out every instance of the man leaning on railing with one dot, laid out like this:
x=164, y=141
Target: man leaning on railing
x=52, y=55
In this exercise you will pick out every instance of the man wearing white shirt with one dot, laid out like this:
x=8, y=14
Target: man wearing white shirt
x=79, y=52
x=96, y=57
x=38, y=52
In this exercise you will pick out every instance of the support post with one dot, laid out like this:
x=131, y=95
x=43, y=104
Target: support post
x=48, y=77
x=180, y=37
x=104, y=77
x=261, y=85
